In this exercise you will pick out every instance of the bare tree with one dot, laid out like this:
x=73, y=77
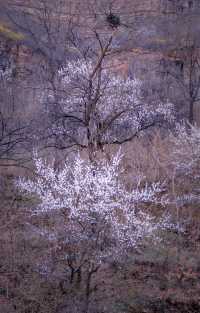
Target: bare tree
x=14, y=129
x=183, y=76
x=191, y=86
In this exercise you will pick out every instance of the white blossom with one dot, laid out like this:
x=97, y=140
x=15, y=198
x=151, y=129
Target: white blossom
x=186, y=148
x=185, y=162
x=98, y=205
x=117, y=111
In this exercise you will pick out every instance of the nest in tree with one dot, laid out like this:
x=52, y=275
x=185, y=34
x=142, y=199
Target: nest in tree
x=113, y=20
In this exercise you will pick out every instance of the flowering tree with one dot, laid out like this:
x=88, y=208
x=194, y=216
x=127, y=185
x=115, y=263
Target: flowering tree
x=91, y=106
x=103, y=220
x=184, y=160
x=186, y=148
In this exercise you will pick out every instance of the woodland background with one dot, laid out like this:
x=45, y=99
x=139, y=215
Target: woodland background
x=155, y=42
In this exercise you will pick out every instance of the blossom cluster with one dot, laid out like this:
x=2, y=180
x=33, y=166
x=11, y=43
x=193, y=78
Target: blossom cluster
x=186, y=148
x=118, y=109
x=101, y=212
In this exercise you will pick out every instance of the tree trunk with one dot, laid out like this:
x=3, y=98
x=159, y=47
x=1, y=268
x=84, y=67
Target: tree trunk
x=191, y=112
x=79, y=277
x=71, y=275
x=88, y=289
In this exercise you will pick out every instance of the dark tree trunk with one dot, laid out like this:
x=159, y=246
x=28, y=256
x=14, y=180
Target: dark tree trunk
x=88, y=288
x=191, y=112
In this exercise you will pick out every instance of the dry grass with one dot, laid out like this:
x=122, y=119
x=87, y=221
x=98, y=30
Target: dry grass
x=161, y=278
x=10, y=34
